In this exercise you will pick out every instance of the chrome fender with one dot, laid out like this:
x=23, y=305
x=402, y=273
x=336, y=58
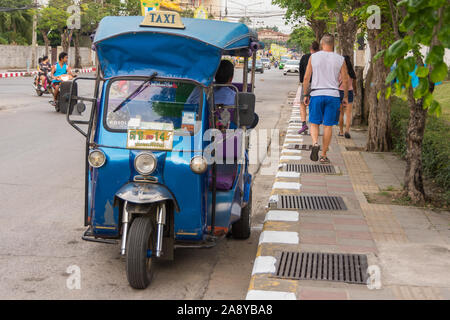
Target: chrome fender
x=144, y=193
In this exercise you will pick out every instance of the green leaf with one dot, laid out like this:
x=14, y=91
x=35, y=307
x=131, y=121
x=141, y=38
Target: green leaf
x=331, y=4
x=436, y=55
x=379, y=95
x=435, y=108
x=410, y=64
x=439, y=72
x=315, y=3
x=388, y=92
x=422, y=72
x=397, y=50
x=422, y=88
x=378, y=55
x=427, y=100
x=391, y=76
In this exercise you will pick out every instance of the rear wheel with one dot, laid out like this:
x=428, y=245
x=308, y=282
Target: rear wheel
x=242, y=228
x=139, y=253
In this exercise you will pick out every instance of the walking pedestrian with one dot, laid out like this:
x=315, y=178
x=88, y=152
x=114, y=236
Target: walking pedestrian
x=347, y=109
x=324, y=100
x=303, y=65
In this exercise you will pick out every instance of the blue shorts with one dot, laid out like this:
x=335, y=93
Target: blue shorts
x=350, y=95
x=324, y=110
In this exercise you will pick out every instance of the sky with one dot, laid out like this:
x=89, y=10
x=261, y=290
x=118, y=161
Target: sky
x=255, y=8
x=236, y=8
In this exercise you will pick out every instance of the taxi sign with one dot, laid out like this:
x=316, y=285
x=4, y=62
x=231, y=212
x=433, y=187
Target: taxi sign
x=163, y=19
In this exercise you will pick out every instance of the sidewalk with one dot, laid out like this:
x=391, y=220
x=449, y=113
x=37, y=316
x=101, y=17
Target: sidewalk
x=407, y=248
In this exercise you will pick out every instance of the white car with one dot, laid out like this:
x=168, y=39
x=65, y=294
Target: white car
x=266, y=63
x=292, y=66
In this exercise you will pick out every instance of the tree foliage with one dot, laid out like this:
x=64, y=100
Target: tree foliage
x=16, y=25
x=302, y=37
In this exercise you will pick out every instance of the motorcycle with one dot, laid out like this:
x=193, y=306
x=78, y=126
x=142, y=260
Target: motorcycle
x=43, y=88
x=63, y=94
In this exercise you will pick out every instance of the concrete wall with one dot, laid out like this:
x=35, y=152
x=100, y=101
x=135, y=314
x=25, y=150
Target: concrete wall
x=19, y=57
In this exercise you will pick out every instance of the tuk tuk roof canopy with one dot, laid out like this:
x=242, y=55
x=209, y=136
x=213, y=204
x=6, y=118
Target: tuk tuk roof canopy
x=124, y=48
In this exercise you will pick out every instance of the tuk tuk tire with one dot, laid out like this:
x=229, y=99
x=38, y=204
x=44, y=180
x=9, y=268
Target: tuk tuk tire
x=138, y=266
x=242, y=228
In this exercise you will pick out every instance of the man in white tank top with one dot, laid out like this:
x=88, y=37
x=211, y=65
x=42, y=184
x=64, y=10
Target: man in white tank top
x=324, y=104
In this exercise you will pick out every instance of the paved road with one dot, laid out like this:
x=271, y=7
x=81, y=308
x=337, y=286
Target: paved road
x=41, y=212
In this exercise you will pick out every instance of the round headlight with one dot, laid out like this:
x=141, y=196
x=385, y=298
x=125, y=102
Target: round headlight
x=96, y=158
x=199, y=164
x=145, y=163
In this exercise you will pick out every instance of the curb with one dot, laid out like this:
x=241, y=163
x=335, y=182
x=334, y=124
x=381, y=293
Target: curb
x=274, y=235
x=27, y=74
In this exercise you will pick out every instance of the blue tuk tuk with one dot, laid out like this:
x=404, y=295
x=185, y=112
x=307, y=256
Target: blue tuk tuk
x=162, y=169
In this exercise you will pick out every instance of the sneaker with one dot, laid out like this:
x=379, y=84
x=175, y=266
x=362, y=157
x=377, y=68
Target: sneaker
x=303, y=129
x=42, y=89
x=315, y=153
x=347, y=135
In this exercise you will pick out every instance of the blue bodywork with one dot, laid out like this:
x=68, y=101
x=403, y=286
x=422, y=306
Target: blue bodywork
x=124, y=48
x=193, y=54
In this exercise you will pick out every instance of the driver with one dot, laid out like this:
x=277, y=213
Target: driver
x=59, y=69
x=224, y=96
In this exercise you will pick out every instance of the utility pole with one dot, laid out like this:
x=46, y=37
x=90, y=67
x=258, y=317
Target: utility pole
x=34, y=38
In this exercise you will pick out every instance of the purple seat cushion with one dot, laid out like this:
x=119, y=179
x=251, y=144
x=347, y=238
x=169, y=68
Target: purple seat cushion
x=226, y=173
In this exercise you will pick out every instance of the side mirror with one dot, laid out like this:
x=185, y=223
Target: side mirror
x=79, y=108
x=246, y=106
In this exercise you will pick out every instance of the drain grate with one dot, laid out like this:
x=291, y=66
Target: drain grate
x=294, y=146
x=349, y=268
x=311, y=168
x=319, y=203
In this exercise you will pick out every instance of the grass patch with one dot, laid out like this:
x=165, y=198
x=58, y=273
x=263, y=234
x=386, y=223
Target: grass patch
x=442, y=95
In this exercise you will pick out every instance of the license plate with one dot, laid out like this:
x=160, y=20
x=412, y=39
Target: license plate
x=150, y=139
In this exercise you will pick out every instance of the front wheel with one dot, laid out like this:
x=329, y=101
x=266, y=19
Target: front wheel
x=139, y=253
x=242, y=228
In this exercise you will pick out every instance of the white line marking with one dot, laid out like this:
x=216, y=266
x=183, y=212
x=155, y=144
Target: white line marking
x=270, y=295
x=282, y=215
x=296, y=158
x=286, y=237
x=287, y=185
x=284, y=174
x=264, y=264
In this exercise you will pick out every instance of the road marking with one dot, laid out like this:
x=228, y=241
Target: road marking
x=287, y=185
x=294, y=140
x=286, y=237
x=287, y=174
x=264, y=264
x=270, y=295
x=296, y=158
x=282, y=215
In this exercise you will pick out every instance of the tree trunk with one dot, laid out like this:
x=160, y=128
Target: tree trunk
x=358, y=103
x=76, y=40
x=346, y=31
x=46, y=41
x=414, y=141
x=319, y=28
x=367, y=86
x=379, y=139
x=66, y=39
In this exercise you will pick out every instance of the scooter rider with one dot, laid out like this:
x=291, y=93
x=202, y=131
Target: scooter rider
x=44, y=69
x=59, y=69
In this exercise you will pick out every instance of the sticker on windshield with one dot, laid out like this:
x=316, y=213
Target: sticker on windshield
x=188, y=121
x=151, y=136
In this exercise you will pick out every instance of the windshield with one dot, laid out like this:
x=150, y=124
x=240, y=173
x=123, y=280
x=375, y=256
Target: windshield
x=293, y=62
x=156, y=102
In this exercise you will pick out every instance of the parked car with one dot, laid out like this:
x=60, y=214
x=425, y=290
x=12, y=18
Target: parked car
x=266, y=63
x=259, y=67
x=291, y=66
